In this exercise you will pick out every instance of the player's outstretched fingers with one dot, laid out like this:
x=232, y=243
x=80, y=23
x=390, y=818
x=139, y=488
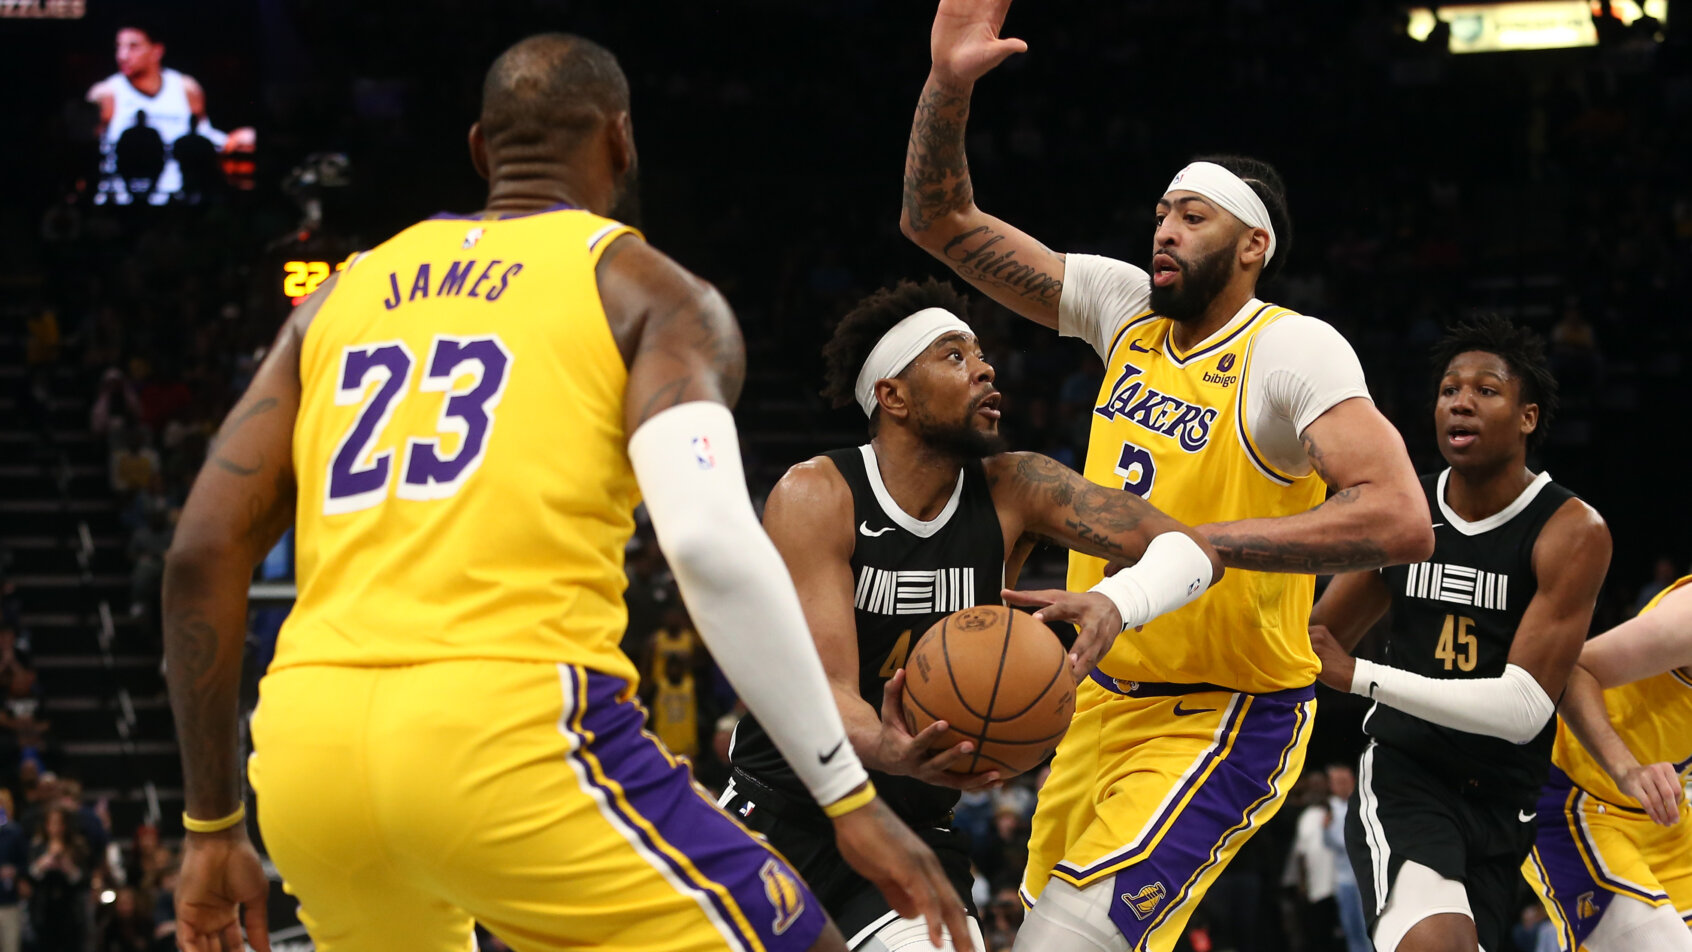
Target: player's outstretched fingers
x=1660, y=792
x=257, y=921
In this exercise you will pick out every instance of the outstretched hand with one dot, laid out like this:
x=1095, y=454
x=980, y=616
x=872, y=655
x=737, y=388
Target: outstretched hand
x=882, y=849
x=965, y=42
x=901, y=752
x=1093, y=615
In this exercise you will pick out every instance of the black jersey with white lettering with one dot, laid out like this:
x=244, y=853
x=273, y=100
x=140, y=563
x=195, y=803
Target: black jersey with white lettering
x=907, y=575
x=1455, y=616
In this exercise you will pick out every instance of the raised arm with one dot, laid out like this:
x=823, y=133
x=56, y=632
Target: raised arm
x=939, y=211
x=686, y=364
x=809, y=518
x=1376, y=516
x=1169, y=564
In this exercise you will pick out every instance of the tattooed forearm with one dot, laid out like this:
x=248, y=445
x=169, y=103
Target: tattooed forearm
x=1067, y=510
x=974, y=254
x=203, y=671
x=1260, y=553
x=936, y=172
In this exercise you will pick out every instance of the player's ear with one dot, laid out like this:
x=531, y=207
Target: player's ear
x=1530, y=417
x=478, y=150
x=620, y=136
x=1255, y=247
x=894, y=402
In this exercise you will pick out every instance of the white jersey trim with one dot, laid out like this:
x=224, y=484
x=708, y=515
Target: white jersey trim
x=900, y=517
x=1498, y=518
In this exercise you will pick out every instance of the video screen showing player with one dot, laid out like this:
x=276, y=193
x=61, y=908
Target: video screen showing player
x=157, y=143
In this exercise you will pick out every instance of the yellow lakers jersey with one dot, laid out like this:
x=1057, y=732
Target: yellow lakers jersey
x=1170, y=427
x=464, y=488
x=1653, y=715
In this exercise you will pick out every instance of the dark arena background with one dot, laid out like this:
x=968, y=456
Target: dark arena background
x=1439, y=165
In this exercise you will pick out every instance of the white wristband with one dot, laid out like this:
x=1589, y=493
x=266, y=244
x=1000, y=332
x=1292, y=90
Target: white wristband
x=1511, y=707
x=1173, y=571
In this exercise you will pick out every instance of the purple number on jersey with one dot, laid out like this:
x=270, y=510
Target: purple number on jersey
x=468, y=412
x=352, y=486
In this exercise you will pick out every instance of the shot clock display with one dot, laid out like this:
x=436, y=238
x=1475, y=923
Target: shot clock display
x=301, y=277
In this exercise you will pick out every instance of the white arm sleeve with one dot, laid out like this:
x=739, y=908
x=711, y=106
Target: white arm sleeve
x=1173, y=572
x=1099, y=295
x=737, y=589
x=1512, y=707
x=1300, y=369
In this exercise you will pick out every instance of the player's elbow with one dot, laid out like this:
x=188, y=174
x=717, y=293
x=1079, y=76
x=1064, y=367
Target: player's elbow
x=931, y=234
x=1408, y=535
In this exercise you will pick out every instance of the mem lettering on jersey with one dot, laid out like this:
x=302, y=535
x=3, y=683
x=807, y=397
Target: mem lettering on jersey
x=1186, y=423
x=914, y=591
x=1458, y=584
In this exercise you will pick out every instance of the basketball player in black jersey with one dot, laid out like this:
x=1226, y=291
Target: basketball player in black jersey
x=883, y=540
x=1483, y=637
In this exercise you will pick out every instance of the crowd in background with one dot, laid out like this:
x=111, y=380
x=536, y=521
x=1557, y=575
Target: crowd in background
x=1550, y=186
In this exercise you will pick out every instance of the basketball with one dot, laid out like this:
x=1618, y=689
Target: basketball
x=999, y=679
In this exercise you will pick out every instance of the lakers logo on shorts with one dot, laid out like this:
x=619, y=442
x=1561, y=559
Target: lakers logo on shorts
x=1585, y=908
x=1144, y=902
x=784, y=894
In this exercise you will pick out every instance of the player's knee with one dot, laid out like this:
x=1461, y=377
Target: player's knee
x=1071, y=918
x=1630, y=925
x=1445, y=932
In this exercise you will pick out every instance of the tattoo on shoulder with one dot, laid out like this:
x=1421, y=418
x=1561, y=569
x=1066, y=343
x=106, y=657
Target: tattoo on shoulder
x=230, y=429
x=702, y=337
x=1318, y=460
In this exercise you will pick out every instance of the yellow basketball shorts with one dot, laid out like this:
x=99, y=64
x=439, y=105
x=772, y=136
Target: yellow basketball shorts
x=1588, y=851
x=1158, y=787
x=402, y=803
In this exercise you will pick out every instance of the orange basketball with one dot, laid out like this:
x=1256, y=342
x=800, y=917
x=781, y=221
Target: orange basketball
x=999, y=679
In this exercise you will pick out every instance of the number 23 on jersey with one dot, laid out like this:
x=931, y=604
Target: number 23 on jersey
x=472, y=373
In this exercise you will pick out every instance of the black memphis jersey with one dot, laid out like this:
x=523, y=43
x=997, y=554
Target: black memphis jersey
x=1455, y=616
x=907, y=575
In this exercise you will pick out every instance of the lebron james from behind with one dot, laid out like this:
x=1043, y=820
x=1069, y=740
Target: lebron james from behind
x=461, y=424
x=1227, y=413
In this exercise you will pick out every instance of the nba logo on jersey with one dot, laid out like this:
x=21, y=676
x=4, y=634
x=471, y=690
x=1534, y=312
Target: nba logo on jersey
x=784, y=894
x=702, y=453
x=471, y=237
x=1144, y=902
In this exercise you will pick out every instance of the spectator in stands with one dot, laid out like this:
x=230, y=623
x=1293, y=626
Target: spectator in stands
x=1347, y=900
x=1312, y=866
x=14, y=857
x=1003, y=918
x=20, y=728
x=116, y=401
x=124, y=925
x=147, y=547
x=1663, y=575
x=134, y=463
x=164, y=905
x=58, y=875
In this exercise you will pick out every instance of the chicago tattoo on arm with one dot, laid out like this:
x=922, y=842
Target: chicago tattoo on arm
x=936, y=172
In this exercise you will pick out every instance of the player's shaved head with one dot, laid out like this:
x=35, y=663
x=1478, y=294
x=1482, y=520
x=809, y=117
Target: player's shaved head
x=550, y=92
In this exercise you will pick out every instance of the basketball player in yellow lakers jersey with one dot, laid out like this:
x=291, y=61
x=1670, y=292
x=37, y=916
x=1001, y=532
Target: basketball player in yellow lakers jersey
x=1228, y=413
x=1612, y=861
x=460, y=426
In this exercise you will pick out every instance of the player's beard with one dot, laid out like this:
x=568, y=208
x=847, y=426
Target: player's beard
x=1201, y=281
x=962, y=439
x=625, y=203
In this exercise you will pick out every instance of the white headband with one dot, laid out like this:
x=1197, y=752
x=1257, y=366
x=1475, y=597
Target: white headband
x=1228, y=190
x=902, y=343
